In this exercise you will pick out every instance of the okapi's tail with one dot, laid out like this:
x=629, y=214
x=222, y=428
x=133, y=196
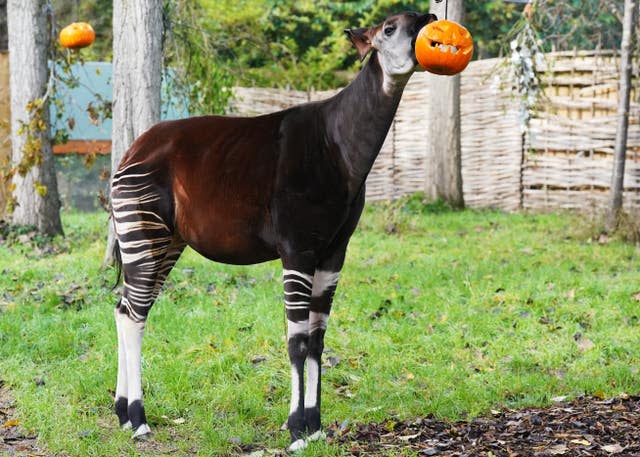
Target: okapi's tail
x=117, y=262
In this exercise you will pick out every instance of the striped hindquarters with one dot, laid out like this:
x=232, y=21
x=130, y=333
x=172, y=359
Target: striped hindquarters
x=140, y=211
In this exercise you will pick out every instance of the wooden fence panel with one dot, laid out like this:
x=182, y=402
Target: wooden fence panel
x=570, y=145
x=491, y=140
x=564, y=160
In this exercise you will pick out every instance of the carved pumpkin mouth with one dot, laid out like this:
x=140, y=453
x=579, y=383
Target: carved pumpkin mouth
x=444, y=47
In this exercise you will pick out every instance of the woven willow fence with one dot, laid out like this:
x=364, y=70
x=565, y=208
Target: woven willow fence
x=564, y=160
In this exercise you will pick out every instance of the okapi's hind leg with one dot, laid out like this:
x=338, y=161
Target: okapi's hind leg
x=149, y=250
x=142, y=284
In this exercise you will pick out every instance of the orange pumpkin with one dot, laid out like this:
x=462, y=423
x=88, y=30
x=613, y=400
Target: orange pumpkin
x=77, y=35
x=444, y=47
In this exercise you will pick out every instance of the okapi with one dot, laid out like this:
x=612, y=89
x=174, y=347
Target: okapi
x=286, y=185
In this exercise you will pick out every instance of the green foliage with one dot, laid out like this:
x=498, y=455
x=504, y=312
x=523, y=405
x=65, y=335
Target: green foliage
x=211, y=44
x=489, y=22
x=194, y=72
x=283, y=43
x=579, y=24
x=302, y=44
x=452, y=313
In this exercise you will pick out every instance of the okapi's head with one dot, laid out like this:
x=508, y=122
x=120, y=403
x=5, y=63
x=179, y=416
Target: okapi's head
x=394, y=40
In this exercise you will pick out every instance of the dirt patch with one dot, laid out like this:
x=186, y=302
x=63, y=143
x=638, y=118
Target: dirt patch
x=586, y=426
x=14, y=441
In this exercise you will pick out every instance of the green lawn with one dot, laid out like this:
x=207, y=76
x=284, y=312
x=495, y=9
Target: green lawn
x=450, y=313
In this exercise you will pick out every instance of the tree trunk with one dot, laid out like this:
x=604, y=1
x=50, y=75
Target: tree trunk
x=3, y=26
x=35, y=192
x=444, y=164
x=137, y=75
x=5, y=101
x=620, y=151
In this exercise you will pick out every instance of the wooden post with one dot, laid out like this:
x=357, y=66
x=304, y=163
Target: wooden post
x=5, y=128
x=443, y=173
x=624, y=95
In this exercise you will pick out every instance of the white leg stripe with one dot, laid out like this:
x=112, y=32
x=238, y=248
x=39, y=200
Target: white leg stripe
x=298, y=282
x=121, y=384
x=296, y=387
x=308, y=278
x=317, y=321
x=297, y=328
x=323, y=280
x=132, y=333
x=311, y=394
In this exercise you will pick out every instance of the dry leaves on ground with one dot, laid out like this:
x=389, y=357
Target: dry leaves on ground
x=586, y=426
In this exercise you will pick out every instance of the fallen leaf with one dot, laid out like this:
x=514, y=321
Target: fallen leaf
x=11, y=423
x=613, y=448
x=581, y=442
x=344, y=391
x=178, y=421
x=409, y=437
x=259, y=453
x=584, y=344
x=331, y=362
x=258, y=360
x=599, y=394
x=558, y=449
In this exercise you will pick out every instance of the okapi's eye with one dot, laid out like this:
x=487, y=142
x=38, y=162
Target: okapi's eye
x=388, y=30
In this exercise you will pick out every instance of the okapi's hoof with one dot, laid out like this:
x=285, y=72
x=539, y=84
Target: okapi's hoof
x=301, y=443
x=142, y=433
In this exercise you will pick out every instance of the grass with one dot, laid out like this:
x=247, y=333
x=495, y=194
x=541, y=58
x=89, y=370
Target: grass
x=449, y=313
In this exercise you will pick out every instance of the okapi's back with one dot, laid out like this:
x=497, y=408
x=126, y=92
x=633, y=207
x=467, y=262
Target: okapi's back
x=220, y=173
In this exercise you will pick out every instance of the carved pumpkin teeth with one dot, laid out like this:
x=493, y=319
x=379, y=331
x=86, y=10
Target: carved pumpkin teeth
x=444, y=47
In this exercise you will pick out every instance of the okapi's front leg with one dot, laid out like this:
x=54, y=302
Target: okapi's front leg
x=308, y=303
x=297, y=300
x=324, y=286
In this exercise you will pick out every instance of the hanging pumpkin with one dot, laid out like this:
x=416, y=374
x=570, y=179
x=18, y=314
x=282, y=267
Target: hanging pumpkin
x=444, y=47
x=77, y=35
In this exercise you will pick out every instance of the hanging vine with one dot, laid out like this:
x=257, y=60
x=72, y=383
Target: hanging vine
x=520, y=71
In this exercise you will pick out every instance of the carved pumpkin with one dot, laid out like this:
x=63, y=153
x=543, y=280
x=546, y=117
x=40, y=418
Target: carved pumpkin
x=444, y=47
x=77, y=35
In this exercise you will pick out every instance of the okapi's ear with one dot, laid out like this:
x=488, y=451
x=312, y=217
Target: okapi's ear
x=361, y=38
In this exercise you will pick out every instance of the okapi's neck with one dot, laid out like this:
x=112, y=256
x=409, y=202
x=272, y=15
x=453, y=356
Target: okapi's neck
x=360, y=116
